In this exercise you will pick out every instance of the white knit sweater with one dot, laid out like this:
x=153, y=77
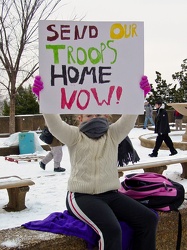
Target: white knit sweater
x=93, y=162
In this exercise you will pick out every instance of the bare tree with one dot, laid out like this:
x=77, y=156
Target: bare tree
x=18, y=43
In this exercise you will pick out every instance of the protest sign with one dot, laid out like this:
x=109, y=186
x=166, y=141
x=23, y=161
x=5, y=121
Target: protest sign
x=91, y=67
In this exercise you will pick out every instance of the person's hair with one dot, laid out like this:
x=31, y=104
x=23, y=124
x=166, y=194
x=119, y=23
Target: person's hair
x=77, y=122
x=76, y=119
x=159, y=102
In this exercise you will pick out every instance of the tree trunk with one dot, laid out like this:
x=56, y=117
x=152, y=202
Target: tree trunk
x=12, y=123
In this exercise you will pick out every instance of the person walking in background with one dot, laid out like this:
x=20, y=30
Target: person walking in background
x=162, y=129
x=55, y=154
x=178, y=120
x=148, y=114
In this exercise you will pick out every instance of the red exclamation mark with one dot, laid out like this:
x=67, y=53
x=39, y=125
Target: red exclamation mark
x=118, y=94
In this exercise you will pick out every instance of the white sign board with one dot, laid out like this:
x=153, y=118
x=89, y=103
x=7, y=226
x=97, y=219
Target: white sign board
x=91, y=67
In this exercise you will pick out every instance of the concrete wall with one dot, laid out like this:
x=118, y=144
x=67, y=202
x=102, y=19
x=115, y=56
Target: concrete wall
x=33, y=122
x=27, y=122
x=140, y=119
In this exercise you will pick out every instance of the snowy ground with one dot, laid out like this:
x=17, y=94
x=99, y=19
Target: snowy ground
x=49, y=192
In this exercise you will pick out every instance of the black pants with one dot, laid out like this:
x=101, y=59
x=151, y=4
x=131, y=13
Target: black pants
x=160, y=138
x=103, y=213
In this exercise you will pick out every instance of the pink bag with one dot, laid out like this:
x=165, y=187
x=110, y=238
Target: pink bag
x=153, y=190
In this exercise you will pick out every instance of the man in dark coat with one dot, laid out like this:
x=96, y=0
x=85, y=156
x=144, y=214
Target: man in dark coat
x=162, y=129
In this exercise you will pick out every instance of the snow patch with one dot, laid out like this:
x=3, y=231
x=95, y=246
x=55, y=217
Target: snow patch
x=10, y=243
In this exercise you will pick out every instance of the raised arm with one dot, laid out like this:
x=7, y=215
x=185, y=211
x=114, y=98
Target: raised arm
x=121, y=128
x=64, y=132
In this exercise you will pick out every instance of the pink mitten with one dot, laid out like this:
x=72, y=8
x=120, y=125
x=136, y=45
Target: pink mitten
x=37, y=86
x=144, y=84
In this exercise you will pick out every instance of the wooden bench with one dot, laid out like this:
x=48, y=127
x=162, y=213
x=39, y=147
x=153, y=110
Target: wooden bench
x=157, y=166
x=21, y=238
x=17, y=189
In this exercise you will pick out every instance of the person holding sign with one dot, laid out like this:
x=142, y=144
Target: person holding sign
x=93, y=184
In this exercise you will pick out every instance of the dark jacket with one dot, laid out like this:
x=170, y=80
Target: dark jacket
x=55, y=143
x=161, y=121
x=48, y=138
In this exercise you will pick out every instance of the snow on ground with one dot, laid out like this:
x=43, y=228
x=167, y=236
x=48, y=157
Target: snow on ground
x=49, y=192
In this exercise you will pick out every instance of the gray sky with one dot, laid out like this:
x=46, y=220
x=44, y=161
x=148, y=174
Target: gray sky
x=165, y=27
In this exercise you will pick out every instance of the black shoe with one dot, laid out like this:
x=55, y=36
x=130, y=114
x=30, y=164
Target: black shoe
x=42, y=165
x=173, y=153
x=153, y=155
x=59, y=169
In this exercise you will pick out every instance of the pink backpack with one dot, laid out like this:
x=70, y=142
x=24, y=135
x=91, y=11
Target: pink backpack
x=153, y=190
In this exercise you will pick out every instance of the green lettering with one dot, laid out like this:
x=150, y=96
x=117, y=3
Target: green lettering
x=84, y=60
x=97, y=59
x=55, y=49
x=114, y=50
x=103, y=47
x=69, y=55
